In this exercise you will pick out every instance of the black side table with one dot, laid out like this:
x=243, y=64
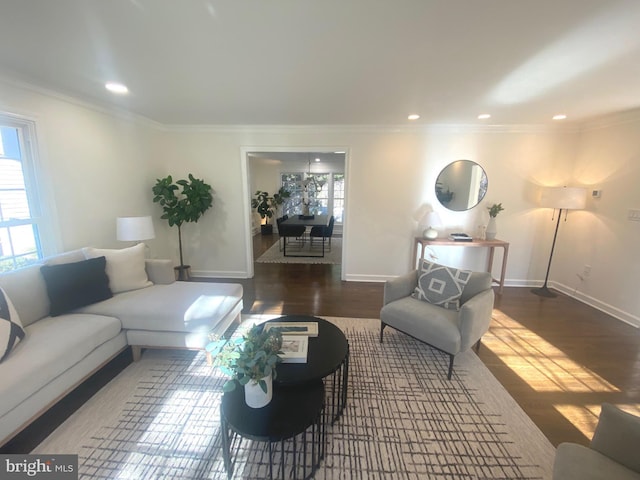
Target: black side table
x=294, y=416
x=327, y=360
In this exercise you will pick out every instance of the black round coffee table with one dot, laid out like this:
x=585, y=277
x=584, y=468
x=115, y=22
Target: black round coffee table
x=295, y=414
x=327, y=359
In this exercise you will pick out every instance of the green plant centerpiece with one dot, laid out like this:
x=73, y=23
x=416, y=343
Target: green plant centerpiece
x=495, y=209
x=187, y=205
x=251, y=358
x=266, y=205
x=492, y=229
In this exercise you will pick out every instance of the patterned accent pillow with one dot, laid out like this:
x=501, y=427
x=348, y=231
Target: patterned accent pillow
x=11, y=331
x=441, y=285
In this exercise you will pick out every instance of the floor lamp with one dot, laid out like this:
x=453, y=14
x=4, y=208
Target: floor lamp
x=559, y=198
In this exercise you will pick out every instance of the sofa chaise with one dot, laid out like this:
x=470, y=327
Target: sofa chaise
x=66, y=340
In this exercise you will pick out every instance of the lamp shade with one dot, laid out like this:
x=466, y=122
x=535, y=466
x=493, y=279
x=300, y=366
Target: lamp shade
x=567, y=198
x=135, y=229
x=432, y=219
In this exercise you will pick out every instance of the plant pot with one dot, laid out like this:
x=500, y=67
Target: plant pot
x=255, y=396
x=266, y=229
x=183, y=273
x=492, y=229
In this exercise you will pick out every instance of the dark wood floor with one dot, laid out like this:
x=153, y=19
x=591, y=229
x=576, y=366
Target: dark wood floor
x=558, y=358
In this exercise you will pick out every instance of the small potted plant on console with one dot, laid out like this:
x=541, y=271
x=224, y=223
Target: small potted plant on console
x=251, y=362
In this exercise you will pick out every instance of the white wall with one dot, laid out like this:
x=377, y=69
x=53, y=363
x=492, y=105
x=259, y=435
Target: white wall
x=99, y=166
x=602, y=236
x=93, y=165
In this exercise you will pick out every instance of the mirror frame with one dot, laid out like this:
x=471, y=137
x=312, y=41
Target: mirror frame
x=446, y=195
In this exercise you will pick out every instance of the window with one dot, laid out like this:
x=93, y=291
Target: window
x=19, y=208
x=325, y=194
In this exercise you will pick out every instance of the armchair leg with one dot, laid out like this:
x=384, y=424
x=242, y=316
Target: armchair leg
x=450, y=366
x=382, y=325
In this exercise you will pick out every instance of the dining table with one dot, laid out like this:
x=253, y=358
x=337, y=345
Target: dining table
x=306, y=221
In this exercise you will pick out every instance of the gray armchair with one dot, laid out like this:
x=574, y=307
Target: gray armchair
x=614, y=451
x=450, y=331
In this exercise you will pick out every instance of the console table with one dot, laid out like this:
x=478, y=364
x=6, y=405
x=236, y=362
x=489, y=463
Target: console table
x=490, y=244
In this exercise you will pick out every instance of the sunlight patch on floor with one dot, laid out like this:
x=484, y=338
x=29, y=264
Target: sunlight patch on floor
x=585, y=417
x=269, y=308
x=544, y=367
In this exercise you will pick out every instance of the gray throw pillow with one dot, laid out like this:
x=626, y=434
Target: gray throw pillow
x=441, y=285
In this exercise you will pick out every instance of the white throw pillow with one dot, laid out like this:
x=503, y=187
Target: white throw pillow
x=11, y=331
x=125, y=267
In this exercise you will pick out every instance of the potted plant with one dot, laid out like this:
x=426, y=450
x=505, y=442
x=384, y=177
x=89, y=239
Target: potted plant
x=266, y=206
x=492, y=228
x=249, y=361
x=185, y=206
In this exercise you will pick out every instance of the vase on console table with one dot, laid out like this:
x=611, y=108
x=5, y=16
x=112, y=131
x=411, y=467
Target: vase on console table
x=492, y=229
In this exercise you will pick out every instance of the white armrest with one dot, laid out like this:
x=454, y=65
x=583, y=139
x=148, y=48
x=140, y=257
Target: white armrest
x=160, y=271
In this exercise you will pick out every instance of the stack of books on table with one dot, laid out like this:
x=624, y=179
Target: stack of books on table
x=295, y=339
x=460, y=237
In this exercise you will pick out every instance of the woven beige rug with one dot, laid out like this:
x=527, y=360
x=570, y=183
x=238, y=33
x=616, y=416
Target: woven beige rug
x=159, y=419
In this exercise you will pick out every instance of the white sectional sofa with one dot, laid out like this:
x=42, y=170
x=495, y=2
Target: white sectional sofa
x=148, y=309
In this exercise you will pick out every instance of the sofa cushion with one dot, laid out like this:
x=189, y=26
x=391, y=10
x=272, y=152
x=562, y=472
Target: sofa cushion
x=50, y=347
x=179, y=307
x=441, y=285
x=73, y=285
x=11, y=331
x=125, y=267
x=28, y=293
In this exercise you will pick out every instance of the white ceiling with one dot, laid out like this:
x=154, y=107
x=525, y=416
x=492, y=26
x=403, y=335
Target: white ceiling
x=332, y=62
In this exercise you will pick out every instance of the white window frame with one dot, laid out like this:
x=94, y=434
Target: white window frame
x=330, y=191
x=40, y=216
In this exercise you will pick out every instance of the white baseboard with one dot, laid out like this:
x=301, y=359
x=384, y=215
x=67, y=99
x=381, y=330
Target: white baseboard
x=369, y=278
x=218, y=274
x=598, y=305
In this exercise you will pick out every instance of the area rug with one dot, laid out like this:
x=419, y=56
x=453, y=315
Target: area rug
x=159, y=419
x=299, y=254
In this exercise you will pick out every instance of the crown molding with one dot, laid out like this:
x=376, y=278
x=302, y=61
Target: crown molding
x=119, y=113
x=612, y=120
x=605, y=121
x=385, y=129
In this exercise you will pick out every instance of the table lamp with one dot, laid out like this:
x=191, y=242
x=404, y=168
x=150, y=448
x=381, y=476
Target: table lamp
x=432, y=220
x=134, y=229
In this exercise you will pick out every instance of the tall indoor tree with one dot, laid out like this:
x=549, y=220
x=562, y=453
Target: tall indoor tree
x=185, y=206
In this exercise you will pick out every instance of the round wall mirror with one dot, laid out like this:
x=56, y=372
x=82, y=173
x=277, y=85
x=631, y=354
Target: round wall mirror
x=461, y=185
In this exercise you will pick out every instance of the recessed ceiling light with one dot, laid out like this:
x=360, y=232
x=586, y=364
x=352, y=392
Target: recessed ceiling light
x=483, y=116
x=317, y=159
x=559, y=117
x=413, y=116
x=114, y=87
